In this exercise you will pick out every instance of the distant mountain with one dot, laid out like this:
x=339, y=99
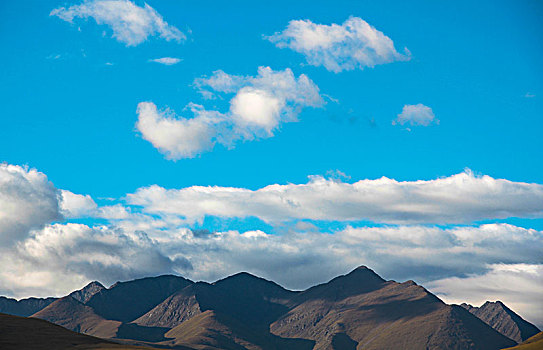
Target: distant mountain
x=126, y=301
x=363, y=310
x=357, y=310
x=23, y=307
x=18, y=333
x=504, y=320
x=84, y=294
x=254, y=300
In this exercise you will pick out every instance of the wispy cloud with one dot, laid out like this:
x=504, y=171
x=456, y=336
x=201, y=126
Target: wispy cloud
x=259, y=106
x=418, y=114
x=355, y=44
x=131, y=24
x=168, y=61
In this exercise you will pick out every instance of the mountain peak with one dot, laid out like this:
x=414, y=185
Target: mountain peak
x=497, y=315
x=84, y=294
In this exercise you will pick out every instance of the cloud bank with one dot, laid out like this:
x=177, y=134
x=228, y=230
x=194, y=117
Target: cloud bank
x=131, y=24
x=461, y=198
x=355, y=44
x=259, y=106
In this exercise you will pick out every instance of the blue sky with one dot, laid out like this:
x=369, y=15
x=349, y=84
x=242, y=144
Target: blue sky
x=70, y=94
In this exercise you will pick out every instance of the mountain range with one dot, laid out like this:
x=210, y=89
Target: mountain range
x=359, y=310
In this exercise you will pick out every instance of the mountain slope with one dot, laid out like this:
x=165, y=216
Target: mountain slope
x=532, y=343
x=17, y=333
x=212, y=330
x=504, y=320
x=363, y=310
x=23, y=307
x=73, y=315
x=126, y=301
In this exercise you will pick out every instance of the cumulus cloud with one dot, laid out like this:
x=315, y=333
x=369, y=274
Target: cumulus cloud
x=461, y=198
x=519, y=286
x=418, y=114
x=27, y=201
x=131, y=24
x=60, y=257
x=167, y=61
x=355, y=44
x=259, y=106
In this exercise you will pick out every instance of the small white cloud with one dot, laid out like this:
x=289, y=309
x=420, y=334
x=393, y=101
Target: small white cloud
x=529, y=95
x=168, y=61
x=355, y=44
x=418, y=114
x=76, y=205
x=131, y=24
x=259, y=106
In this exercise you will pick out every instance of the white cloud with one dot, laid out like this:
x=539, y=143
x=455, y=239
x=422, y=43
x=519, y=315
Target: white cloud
x=418, y=114
x=168, y=61
x=259, y=106
x=176, y=137
x=519, y=286
x=76, y=205
x=27, y=201
x=355, y=44
x=131, y=24
x=461, y=198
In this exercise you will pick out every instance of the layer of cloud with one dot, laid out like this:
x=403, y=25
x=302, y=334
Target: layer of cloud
x=167, y=61
x=418, y=114
x=131, y=24
x=355, y=44
x=461, y=198
x=259, y=106
x=519, y=286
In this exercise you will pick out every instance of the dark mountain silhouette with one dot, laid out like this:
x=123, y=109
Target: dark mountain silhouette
x=84, y=294
x=17, y=333
x=23, y=307
x=359, y=310
x=504, y=320
x=126, y=301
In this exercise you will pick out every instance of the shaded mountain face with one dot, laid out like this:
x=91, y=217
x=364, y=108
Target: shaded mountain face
x=23, y=307
x=126, y=301
x=84, y=294
x=504, y=320
x=29, y=333
x=359, y=310
x=254, y=300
